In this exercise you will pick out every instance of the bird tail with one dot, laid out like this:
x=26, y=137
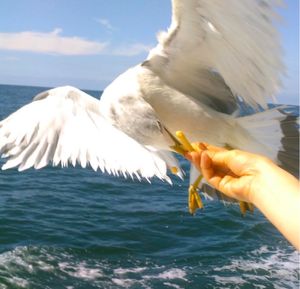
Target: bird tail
x=275, y=133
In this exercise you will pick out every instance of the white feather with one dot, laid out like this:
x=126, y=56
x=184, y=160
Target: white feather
x=67, y=127
x=213, y=52
x=234, y=38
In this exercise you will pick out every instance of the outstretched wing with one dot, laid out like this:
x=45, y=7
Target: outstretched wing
x=218, y=50
x=64, y=125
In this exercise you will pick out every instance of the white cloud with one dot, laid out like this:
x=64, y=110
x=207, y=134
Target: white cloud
x=50, y=43
x=131, y=50
x=54, y=43
x=105, y=23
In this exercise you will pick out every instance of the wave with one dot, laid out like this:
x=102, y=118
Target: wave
x=258, y=267
x=57, y=264
x=36, y=267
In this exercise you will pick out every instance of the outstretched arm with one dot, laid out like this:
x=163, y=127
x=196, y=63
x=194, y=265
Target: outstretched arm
x=255, y=179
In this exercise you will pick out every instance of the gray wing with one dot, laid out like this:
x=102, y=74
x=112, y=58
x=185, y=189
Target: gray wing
x=218, y=51
x=65, y=126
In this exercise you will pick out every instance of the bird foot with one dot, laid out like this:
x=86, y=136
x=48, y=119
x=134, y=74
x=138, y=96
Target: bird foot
x=244, y=207
x=182, y=147
x=195, y=201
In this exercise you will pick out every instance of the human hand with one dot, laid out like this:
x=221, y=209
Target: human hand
x=254, y=179
x=235, y=173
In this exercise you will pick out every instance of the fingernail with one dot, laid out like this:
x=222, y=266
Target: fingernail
x=202, y=146
x=188, y=156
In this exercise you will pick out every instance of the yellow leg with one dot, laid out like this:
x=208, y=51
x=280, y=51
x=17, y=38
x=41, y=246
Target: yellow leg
x=178, y=149
x=184, y=141
x=243, y=208
x=174, y=170
x=250, y=207
x=195, y=201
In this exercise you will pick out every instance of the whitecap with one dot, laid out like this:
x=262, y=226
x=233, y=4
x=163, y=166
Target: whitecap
x=259, y=266
x=142, y=276
x=172, y=285
x=122, y=271
x=224, y=280
x=80, y=270
x=44, y=266
x=174, y=273
x=18, y=282
x=170, y=274
x=125, y=283
x=16, y=257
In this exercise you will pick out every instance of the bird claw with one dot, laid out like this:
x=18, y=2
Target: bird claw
x=194, y=200
x=182, y=147
x=174, y=170
x=244, y=207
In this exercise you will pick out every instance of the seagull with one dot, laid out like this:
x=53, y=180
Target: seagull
x=215, y=57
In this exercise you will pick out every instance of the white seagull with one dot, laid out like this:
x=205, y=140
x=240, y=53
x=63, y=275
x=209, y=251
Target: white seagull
x=215, y=56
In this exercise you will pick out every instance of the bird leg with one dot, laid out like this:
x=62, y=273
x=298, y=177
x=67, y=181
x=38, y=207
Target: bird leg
x=244, y=207
x=182, y=146
x=195, y=201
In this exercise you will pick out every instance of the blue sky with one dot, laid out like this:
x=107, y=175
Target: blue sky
x=90, y=42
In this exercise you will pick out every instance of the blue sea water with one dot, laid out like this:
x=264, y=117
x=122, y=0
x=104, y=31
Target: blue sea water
x=78, y=229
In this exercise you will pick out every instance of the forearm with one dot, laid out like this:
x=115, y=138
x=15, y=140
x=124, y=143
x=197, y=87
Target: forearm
x=277, y=196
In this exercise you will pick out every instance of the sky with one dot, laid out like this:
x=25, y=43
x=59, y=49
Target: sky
x=88, y=43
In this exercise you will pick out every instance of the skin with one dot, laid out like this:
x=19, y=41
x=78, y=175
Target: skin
x=253, y=178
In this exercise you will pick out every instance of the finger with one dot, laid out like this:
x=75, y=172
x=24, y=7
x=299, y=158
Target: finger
x=227, y=161
x=216, y=177
x=197, y=148
x=195, y=158
x=239, y=162
x=223, y=179
x=202, y=146
x=209, y=171
x=212, y=147
x=206, y=166
x=188, y=156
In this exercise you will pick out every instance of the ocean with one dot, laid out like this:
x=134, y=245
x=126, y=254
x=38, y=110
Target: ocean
x=75, y=228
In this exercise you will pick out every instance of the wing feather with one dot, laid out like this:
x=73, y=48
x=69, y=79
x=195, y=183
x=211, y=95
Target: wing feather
x=233, y=42
x=65, y=126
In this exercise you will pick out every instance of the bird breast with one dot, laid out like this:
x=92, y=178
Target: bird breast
x=124, y=107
